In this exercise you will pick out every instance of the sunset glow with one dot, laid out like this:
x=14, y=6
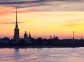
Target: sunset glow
x=42, y=23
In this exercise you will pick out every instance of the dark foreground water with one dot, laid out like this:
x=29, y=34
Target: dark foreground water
x=42, y=55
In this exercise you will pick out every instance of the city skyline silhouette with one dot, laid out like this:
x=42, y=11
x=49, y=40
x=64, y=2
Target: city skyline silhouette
x=32, y=27
x=41, y=30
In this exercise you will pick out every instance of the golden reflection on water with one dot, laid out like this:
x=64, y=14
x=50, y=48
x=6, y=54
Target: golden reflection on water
x=42, y=55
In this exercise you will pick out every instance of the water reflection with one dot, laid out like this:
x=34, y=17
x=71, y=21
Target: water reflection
x=16, y=55
x=20, y=55
x=42, y=55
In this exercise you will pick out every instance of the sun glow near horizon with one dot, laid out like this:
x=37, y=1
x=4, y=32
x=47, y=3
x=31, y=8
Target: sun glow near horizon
x=42, y=23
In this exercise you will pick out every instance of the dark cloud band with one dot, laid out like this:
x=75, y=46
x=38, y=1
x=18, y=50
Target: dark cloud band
x=46, y=5
x=11, y=22
x=22, y=4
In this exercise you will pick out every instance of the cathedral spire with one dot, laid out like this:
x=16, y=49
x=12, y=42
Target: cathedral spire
x=16, y=30
x=16, y=18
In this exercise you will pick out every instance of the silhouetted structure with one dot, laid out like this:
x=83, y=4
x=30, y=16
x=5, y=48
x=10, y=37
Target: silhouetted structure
x=16, y=30
x=25, y=35
x=73, y=35
x=28, y=41
x=29, y=36
x=50, y=37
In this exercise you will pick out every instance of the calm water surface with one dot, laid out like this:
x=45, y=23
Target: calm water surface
x=42, y=55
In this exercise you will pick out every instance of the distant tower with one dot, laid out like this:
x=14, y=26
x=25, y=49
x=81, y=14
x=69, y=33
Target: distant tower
x=50, y=37
x=54, y=37
x=25, y=35
x=16, y=30
x=73, y=35
x=30, y=35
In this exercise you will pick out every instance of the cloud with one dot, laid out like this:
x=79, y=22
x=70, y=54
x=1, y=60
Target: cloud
x=62, y=6
x=11, y=22
x=5, y=11
x=46, y=5
x=21, y=3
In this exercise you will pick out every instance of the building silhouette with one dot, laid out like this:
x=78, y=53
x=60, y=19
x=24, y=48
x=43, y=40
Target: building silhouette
x=73, y=35
x=50, y=37
x=29, y=36
x=25, y=35
x=16, y=30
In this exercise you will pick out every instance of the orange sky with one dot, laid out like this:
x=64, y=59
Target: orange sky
x=42, y=23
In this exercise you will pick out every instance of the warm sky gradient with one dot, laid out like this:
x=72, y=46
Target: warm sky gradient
x=44, y=18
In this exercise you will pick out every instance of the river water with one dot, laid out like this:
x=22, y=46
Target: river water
x=42, y=55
